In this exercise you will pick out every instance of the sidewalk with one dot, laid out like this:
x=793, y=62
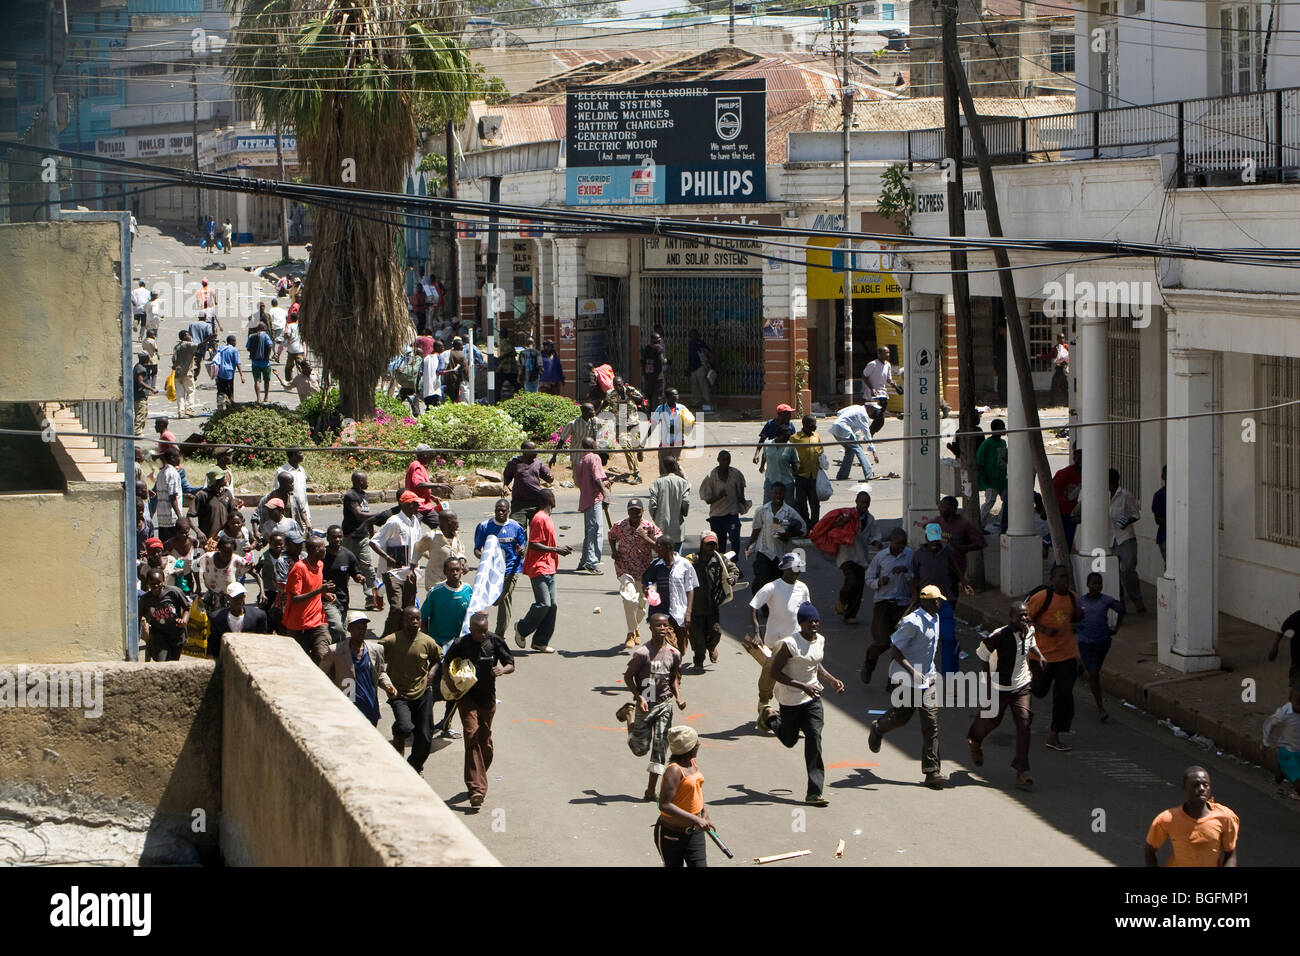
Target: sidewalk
x=1208, y=704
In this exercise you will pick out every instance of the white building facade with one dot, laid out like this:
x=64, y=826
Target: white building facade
x=1155, y=340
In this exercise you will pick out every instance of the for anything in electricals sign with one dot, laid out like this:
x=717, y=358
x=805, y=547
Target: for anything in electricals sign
x=673, y=143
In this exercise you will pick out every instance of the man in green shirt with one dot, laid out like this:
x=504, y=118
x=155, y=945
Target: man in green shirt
x=780, y=461
x=443, y=615
x=410, y=655
x=991, y=460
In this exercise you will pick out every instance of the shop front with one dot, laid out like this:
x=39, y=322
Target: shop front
x=876, y=313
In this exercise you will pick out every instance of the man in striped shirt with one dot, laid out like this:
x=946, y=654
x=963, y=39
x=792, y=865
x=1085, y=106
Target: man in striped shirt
x=1014, y=646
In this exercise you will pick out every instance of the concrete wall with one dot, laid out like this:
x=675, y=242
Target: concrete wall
x=306, y=781
x=79, y=614
x=148, y=760
x=69, y=271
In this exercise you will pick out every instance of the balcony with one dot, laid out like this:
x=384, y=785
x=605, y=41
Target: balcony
x=1217, y=141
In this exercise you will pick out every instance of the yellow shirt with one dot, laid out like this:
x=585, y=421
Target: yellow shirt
x=809, y=448
x=1195, y=842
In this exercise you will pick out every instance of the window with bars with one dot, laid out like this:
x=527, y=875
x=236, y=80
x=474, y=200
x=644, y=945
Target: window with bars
x=1240, y=46
x=1124, y=367
x=1279, y=451
x=1062, y=55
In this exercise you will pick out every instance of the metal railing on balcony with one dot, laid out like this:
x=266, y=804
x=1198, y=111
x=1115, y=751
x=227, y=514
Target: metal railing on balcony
x=1218, y=140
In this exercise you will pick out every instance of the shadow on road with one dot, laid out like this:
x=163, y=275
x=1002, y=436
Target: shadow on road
x=747, y=796
x=601, y=799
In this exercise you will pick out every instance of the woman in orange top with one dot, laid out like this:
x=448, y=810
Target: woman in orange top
x=679, y=831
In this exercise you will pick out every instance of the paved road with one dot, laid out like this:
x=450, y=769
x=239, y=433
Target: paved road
x=159, y=258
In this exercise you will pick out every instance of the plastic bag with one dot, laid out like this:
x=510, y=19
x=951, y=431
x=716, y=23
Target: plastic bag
x=688, y=417
x=196, y=634
x=458, y=678
x=824, y=489
x=170, y=386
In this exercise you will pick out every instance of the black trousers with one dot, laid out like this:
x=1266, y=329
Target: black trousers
x=855, y=577
x=678, y=848
x=1059, y=678
x=415, y=717
x=806, y=501
x=807, y=718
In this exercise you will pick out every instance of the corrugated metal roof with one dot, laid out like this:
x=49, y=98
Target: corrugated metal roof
x=568, y=59
x=927, y=112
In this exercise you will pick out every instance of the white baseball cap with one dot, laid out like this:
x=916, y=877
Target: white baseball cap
x=354, y=616
x=235, y=589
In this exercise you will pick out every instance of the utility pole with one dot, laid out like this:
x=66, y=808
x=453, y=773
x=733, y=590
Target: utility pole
x=846, y=101
x=194, y=135
x=968, y=418
x=1015, y=327
x=284, y=203
x=731, y=23
x=453, y=278
x=493, y=256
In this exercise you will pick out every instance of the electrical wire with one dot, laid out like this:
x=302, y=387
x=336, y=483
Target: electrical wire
x=497, y=452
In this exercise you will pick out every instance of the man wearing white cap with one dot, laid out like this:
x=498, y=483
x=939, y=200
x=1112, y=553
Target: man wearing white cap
x=778, y=602
x=235, y=618
x=356, y=666
x=912, y=680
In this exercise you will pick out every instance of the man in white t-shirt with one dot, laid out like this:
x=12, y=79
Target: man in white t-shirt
x=879, y=378
x=279, y=319
x=153, y=318
x=139, y=305
x=431, y=368
x=778, y=603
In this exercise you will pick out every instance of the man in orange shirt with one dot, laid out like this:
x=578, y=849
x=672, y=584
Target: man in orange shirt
x=1053, y=612
x=1201, y=832
x=306, y=592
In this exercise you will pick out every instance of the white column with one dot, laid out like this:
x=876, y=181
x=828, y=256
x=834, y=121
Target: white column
x=920, y=361
x=1188, y=605
x=1020, y=568
x=1093, y=538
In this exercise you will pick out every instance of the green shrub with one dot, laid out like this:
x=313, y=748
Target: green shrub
x=540, y=415
x=468, y=427
x=273, y=425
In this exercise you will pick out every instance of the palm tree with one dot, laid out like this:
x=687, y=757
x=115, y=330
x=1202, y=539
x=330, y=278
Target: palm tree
x=347, y=75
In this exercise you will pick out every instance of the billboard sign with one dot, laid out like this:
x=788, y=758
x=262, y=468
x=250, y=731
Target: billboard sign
x=667, y=144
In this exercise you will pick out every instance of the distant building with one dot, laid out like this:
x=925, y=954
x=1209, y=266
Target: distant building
x=1008, y=47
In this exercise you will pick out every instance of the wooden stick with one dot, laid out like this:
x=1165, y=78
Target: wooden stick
x=839, y=851
x=781, y=856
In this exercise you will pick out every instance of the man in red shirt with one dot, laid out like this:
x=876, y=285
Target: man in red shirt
x=418, y=483
x=540, y=563
x=306, y=592
x=592, y=489
x=1066, y=485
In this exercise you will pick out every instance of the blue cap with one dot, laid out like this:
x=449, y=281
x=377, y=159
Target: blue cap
x=807, y=612
x=294, y=537
x=933, y=532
